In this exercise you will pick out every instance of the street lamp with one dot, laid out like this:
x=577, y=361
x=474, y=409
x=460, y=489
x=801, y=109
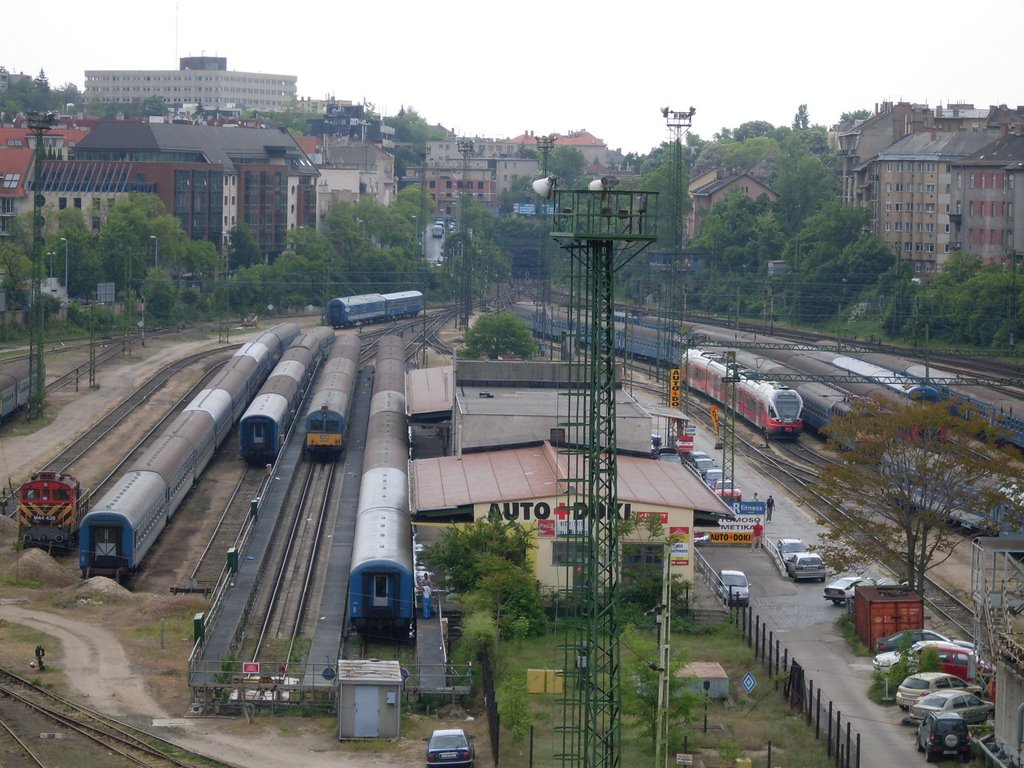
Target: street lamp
x=156, y=251
x=50, y=254
x=66, y=291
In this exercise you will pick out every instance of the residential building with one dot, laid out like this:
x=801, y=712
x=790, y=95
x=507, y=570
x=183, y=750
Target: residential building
x=199, y=80
x=913, y=186
x=711, y=187
x=210, y=178
x=987, y=193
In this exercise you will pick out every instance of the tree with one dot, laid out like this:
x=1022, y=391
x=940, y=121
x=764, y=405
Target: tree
x=908, y=470
x=461, y=553
x=640, y=695
x=801, y=120
x=243, y=249
x=154, y=106
x=497, y=335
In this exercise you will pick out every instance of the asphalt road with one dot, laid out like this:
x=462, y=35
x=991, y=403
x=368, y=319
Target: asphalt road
x=805, y=623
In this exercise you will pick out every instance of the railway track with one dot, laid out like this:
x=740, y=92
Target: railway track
x=294, y=564
x=227, y=533
x=66, y=459
x=92, y=738
x=798, y=467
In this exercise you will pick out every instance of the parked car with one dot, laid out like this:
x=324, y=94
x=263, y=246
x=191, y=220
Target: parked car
x=671, y=457
x=787, y=548
x=973, y=708
x=892, y=642
x=728, y=492
x=953, y=659
x=841, y=590
x=733, y=588
x=713, y=476
x=944, y=733
x=886, y=659
x=700, y=539
x=806, y=565
x=703, y=466
x=451, y=748
x=921, y=684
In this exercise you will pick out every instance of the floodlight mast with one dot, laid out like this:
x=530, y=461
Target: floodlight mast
x=601, y=229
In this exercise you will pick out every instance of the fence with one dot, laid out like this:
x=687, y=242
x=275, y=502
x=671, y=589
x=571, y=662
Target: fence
x=842, y=744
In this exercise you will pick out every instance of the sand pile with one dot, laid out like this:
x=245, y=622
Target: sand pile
x=35, y=564
x=101, y=585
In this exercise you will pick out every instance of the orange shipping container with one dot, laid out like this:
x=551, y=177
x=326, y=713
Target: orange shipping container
x=883, y=611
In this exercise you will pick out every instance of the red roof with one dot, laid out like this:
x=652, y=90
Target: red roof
x=307, y=143
x=14, y=161
x=571, y=139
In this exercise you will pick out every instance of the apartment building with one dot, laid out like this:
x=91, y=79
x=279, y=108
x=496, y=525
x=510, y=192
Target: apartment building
x=204, y=80
x=912, y=183
x=988, y=192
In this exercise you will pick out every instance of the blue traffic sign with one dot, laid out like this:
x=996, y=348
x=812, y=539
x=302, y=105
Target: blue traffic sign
x=749, y=682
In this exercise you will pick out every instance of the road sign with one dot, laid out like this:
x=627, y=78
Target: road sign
x=328, y=673
x=684, y=758
x=749, y=682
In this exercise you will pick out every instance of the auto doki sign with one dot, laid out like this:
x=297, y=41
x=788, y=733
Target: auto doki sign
x=542, y=510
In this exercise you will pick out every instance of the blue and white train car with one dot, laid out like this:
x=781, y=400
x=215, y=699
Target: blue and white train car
x=347, y=311
x=14, y=388
x=382, y=598
x=265, y=422
x=403, y=304
x=117, y=533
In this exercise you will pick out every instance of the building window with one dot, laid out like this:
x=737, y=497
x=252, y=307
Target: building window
x=888, y=207
x=972, y=181
x=899, y=207
x=929, y=208
x=930, y=188
x=568, y=553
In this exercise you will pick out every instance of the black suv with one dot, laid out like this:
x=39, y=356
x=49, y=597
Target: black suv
x=944, y=733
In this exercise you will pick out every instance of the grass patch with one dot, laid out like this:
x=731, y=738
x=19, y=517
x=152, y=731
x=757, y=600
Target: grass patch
x=741, y=726
x=849, y=629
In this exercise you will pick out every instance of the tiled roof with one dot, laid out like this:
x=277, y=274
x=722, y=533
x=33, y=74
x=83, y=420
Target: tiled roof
x=14, y=161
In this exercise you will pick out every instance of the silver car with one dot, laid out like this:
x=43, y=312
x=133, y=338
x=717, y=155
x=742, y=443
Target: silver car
x=806, y=565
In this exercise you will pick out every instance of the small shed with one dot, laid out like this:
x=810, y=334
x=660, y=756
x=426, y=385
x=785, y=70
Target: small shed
x=883, y=611
x=711, y=677
x=369, y=699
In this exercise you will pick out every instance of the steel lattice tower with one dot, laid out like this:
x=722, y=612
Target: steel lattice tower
x=466, y=293
x=39, y=124
x=601, y=231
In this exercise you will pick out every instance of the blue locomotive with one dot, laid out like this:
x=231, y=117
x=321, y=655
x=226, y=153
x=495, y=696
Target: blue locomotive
x=122, y=526
x=349, y=311
x=327, y=410
x=381, y=580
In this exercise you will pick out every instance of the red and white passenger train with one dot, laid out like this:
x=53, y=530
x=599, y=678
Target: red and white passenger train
x=772, y=408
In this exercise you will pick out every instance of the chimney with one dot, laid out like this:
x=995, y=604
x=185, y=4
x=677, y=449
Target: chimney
x=935, y=133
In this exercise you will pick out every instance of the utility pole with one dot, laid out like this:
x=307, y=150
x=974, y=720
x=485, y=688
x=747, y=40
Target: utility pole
x=731, y=379
x=544, y=145
x=678, y=123
x=466, y=294
x=663, y=617
x=38, y=124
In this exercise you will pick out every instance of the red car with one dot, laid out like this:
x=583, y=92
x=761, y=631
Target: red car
x=728, y=492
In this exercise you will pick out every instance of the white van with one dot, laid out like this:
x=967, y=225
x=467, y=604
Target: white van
x=733, y=588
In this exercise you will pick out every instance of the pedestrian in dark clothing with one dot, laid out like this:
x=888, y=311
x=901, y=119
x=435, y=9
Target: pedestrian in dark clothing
x=769, y=507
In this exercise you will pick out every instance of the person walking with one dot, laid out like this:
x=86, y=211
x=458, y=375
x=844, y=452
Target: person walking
x=758, y=533
x=427, y=592
x=769, y=507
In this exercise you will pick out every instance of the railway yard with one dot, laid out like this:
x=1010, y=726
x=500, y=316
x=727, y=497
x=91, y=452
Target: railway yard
x=124, y=651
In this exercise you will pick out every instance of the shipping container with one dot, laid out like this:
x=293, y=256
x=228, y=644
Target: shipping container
x=883, y=611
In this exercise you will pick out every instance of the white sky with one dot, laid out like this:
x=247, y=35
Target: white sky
x=499, y=69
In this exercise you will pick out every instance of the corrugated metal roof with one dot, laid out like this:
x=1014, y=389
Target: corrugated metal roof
x=539, y=471
x=430, y=390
